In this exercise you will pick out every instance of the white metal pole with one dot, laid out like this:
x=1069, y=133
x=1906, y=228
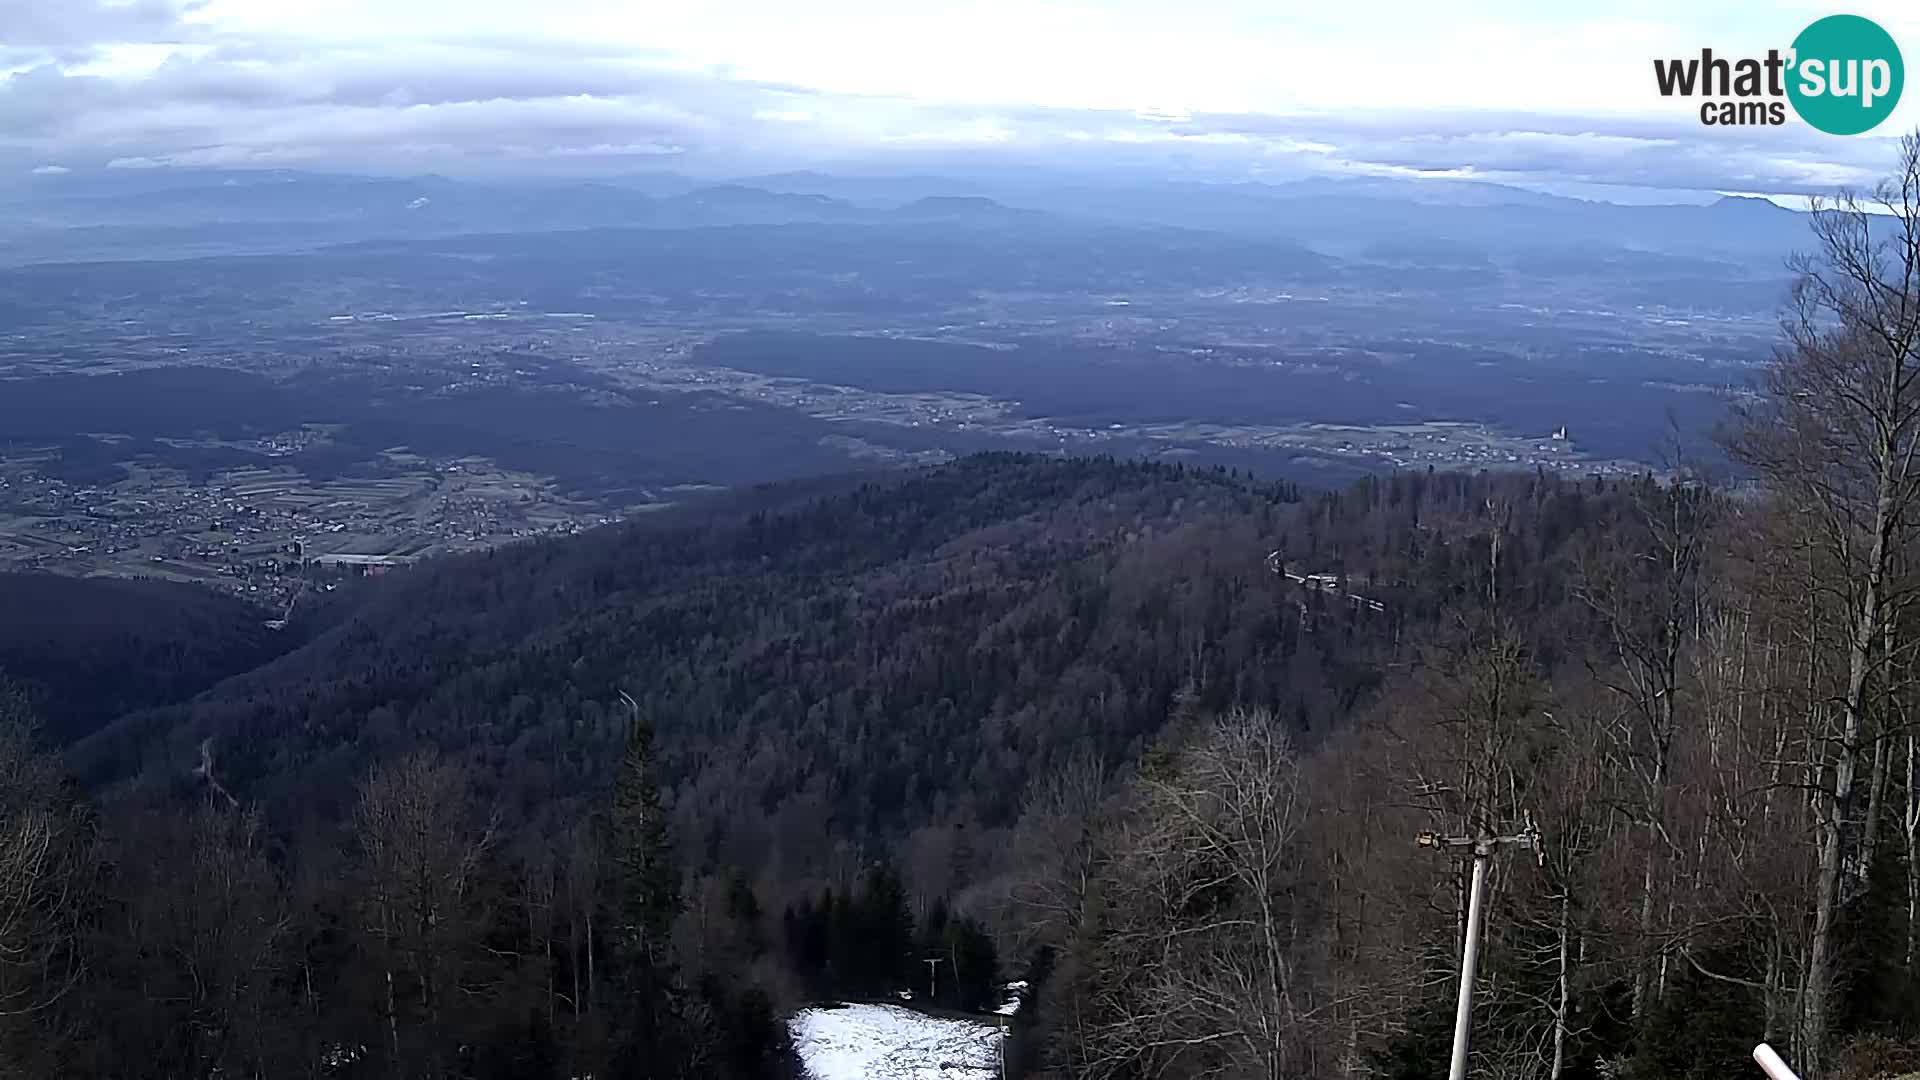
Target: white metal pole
x=1770, y=1062
x=1003, y=1049
x=1469, y=958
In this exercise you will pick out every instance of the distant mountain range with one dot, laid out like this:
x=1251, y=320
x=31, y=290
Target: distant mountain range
x=1439, y=223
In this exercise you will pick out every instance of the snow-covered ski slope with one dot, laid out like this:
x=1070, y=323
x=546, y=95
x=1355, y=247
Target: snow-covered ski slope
x=887, y=1042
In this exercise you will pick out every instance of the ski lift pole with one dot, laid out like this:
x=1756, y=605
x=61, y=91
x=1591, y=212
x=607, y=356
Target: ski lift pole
x=1469, y=962
x=1481, y=848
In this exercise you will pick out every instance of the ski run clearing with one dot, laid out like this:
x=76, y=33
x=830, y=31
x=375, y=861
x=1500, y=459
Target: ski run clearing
x=887, y=1042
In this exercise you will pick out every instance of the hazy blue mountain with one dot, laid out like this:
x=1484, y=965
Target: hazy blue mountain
x=1421, y=192
x=968, y=208
x=1412, y=228
x=738, y=204
x=1340, y=216
x=881, y=191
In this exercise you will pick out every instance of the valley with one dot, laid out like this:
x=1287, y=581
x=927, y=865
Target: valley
x=202, y=417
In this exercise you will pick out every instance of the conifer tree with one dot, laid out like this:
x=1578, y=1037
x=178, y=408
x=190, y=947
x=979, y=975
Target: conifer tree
x=641, y=896
x=976, y=965
x=885, y=922
x=642, y=878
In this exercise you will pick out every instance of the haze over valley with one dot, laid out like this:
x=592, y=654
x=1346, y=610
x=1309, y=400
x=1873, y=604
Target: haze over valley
x=205, y=369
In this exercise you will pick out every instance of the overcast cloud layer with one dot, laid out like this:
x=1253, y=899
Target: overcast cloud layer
x=1504, y=91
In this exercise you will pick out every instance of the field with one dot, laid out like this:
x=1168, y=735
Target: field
x=253, y=527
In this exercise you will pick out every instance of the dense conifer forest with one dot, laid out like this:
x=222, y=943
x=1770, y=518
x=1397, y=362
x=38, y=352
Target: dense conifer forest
x=89, y=650
x=1156, y=741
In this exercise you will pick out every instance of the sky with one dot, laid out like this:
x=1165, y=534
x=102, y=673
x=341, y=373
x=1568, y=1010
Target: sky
x=1558, y=96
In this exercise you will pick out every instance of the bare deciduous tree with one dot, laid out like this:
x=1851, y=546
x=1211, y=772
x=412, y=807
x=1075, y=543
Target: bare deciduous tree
x=46, y=864
x=1836, y=438
x=421, y=844
x=1203, y=916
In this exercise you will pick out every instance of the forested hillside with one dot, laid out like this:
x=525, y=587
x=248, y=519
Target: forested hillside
x=1702, y=702
x=855, y=690
x=1160, y=742
x=87, y=650
x=829, y=676
x=854, y=687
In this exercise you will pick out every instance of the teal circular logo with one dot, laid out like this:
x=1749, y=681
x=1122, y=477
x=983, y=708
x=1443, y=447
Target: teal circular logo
x=1846, y=75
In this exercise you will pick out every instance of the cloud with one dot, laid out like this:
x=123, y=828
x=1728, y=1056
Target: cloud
x=80, y=24
x=1650, y=152
x=257, y=103
x=154, y=84
x=51, y=170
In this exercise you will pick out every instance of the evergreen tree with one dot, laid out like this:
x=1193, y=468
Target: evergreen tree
x=642, y=879
x=884, y=922
x=808, y=945
x=744, y=908
x=933, y=945
x=1879, y=996
x=1698, y=1031
x=1421, y=1050
x=843, y=972
x=641, y=897
x=749, y=1038
x=976, y=966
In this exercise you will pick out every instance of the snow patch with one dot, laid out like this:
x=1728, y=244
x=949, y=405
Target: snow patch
x=887, y=1042
x=1015, y=993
